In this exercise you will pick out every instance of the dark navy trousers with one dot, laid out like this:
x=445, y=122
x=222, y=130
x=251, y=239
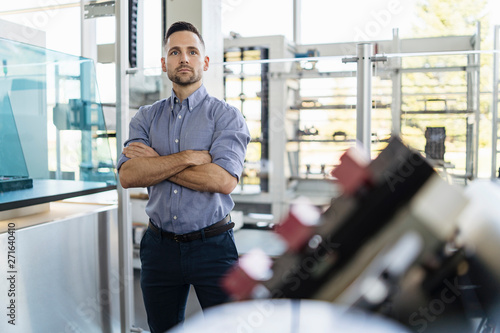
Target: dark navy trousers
x=169, y=268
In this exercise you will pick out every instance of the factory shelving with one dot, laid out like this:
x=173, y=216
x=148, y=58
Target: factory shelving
x=438, y=98
x=322, y=121
x=246, y=88
x=311, y=115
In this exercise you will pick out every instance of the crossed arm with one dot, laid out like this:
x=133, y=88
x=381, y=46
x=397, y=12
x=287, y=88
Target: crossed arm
x=190, y=168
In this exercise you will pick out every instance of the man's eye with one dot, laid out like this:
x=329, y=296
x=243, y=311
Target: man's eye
x=174, y=53
x=193, y=52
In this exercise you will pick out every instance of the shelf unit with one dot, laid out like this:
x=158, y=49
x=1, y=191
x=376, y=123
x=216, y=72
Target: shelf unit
x=309, y=129
x=264, y=186
x=330, y=114
x=434, y=95
x=247, y=88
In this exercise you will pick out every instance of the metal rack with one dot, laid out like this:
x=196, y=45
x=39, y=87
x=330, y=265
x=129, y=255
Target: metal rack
x=272, y=198
x=284, y=102
x=397, y=50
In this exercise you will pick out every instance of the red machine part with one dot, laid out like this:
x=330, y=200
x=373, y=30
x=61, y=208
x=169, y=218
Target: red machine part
x=352, y=173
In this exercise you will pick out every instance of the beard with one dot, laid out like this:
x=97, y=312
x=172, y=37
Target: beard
x=185, y=79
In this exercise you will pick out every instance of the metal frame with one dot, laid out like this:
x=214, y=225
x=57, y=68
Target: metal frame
x=364, y=96
x=404, y=46
x=494, y=104
x=297, y=21
x=364, y=105
x=119, y=9
x=473, y=100
x=396, y=85
x=99, y=9
x=280, y=55
x=395, y=49
x=126, y=274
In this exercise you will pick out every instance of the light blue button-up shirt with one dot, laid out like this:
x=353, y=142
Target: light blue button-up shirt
x=200, y=122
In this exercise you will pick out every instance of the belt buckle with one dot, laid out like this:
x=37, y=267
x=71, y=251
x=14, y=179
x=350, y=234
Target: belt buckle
x=180, y=238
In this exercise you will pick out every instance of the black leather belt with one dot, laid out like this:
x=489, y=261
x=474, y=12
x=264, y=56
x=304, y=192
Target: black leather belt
x=210, y=231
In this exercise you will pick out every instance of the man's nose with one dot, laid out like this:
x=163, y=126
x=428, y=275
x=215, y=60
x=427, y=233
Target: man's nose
x=184, y=58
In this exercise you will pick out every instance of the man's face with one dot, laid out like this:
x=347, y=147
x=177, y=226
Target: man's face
x=185, y=58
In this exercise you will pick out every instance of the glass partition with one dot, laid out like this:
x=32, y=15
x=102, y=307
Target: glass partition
x=52, y=128
x=13, y=170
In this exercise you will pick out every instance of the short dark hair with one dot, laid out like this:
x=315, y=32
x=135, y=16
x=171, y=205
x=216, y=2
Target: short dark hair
x=182, y=26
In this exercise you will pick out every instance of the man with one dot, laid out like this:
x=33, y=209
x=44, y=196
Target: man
x=188, y=150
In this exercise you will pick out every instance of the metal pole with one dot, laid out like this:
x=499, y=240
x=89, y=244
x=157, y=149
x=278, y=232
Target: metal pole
x=364, y=93
x=396, y=85
x=297, y=22
x=494, y=105
x=470, y=136
x=477, y=99
x=122, y=118
x=58, y=131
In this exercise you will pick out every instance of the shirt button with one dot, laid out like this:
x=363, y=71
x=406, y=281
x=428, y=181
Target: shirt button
x=175, y=191
x=176, y=140
x=180, y=116
x=191, y=108
x=175, y=217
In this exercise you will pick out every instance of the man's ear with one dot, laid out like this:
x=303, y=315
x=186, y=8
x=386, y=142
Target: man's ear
x=163, y=64
x=206, y=65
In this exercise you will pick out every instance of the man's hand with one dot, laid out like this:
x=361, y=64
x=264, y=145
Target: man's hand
x=192, y=157
x=139, y=149
x=146, y=167
x=197, y=157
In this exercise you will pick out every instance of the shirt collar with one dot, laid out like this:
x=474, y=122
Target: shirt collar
x=193, y=100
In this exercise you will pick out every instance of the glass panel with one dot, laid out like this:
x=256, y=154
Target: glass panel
x=53, y=120
x=13, y=164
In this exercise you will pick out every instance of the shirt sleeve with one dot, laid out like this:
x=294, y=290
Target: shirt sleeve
x=230, y=141
x=138, y=131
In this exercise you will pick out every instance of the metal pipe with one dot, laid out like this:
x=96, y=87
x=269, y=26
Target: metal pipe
x=494, y=105
x=364, y=92
x=58, y=132
x=126, y=275
x=348, y=59
x=477, y=101
x=297, y=22
x=396, y=85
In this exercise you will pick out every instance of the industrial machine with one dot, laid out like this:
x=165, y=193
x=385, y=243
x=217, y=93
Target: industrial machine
x=398, y=242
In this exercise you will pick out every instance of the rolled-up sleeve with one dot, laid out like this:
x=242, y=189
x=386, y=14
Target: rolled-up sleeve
x=138, y=132
x=230, y=141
